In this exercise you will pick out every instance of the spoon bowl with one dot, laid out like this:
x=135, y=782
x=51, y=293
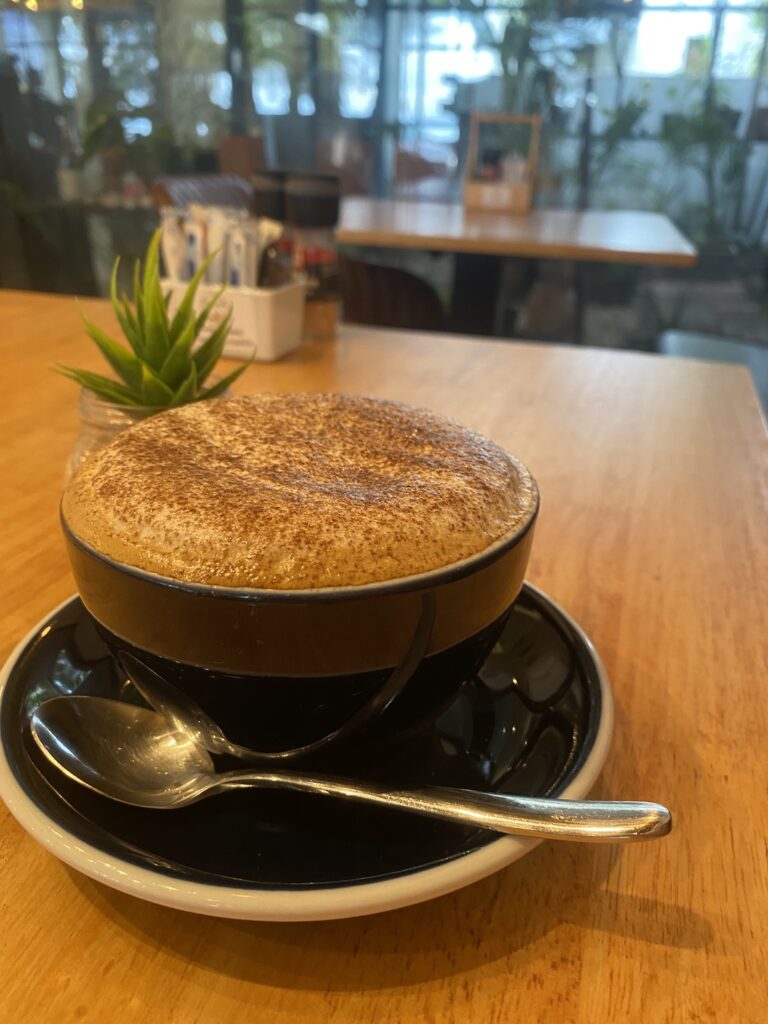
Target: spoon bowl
x=121, y=751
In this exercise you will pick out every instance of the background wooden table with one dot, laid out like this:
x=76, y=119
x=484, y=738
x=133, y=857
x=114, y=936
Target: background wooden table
x=652, y=534
x=605, y=236
x=478, y=238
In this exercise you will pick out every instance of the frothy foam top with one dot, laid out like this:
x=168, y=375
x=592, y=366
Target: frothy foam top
x=296, y=491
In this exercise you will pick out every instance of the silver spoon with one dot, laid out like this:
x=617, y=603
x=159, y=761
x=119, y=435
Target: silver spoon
x=139, y=757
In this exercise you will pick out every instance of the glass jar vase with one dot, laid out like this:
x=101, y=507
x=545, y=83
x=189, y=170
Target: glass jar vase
x=100, y=421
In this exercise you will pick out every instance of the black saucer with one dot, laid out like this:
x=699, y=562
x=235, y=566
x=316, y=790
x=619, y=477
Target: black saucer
x=526, y=724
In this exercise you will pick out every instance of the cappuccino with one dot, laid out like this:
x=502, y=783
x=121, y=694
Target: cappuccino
x=297, y=492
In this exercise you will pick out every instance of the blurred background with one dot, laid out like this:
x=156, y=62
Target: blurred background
x=645, y=105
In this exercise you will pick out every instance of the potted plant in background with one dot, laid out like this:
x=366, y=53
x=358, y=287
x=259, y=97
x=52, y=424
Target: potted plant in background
x=704, y=140
x=104, y=137
x=163, y=363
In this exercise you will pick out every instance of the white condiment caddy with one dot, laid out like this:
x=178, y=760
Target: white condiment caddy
x=266, y=322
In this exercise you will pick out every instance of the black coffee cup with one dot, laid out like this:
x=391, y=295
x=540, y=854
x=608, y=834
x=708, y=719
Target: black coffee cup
x=300, y=671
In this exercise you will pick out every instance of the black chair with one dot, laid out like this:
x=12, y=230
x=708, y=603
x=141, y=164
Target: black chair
x=388, y=297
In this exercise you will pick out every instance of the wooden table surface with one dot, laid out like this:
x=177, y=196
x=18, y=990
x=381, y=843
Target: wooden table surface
x=606, y=236
x=652, y=535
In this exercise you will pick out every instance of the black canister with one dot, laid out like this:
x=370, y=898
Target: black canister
x=312, y=200
x=268, y=201
x=312, y=212
x=268, y=196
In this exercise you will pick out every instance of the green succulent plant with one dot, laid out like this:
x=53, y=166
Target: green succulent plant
x=160, y=367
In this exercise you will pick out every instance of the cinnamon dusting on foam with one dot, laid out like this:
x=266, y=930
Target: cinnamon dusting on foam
x=296, y=491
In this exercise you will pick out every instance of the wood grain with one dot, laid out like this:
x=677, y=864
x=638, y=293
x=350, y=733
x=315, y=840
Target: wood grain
x=606, y=236
x=652, y=534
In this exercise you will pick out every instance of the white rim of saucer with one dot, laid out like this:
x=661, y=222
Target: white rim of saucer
x=325, y=903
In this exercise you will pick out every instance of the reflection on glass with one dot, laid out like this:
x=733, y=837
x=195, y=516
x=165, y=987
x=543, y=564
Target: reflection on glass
x=271, y=88
x=741, y=41
x=671, y=43
x=220, y=90
x=305, y=105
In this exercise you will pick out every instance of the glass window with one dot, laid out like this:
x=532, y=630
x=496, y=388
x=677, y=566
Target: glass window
x=741, y=40
x=632, y=96
x=271, y=88
x=671, y=43
x=31, y=44
x=359, y=76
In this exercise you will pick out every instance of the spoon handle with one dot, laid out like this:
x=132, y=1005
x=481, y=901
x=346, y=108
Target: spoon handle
x=590, y=821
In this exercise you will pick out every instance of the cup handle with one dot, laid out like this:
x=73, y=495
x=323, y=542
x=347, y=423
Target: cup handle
x=399, y=678
x=165, y=698
x=380, y=701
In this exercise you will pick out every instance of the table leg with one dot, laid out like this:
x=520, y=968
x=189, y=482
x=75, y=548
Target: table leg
x=475, y=293
x=579, y=281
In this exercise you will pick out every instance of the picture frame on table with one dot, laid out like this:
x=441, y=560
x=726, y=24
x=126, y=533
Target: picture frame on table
x=502, y=161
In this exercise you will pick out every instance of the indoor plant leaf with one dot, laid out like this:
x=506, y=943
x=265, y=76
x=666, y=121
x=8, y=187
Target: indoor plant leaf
x=137, y=302
x=185, y=306
x=209, y=353
x=157, y=365
x=107, y=389
x=124, y=317
x=176, y=364
x=122, y=361
x=130, y=317
x=202, y=318
x=153, y=391
x=156, y=334
x=221, y=385
x=187, y=390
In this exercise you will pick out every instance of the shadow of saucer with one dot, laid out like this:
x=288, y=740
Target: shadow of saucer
x=499, y=919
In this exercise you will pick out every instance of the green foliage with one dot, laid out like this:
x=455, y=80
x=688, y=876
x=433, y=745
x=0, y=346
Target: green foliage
x=160, y=366
x=103, y=126
x=705, y=140
x=623, y=124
